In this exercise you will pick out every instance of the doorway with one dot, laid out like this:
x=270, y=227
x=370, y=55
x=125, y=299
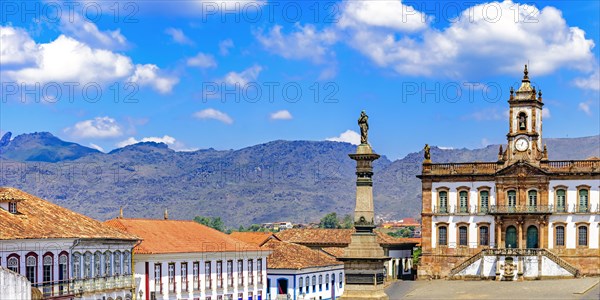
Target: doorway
x=532, y=237
x=282, y=286
x=511, y=237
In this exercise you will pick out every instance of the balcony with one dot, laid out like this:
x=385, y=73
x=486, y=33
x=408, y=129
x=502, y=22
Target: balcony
x=521, y=209
x=73, y=287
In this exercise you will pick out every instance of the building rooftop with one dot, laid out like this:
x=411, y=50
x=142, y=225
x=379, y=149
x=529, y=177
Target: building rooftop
x=320, y=237
x=178, y=236
x=288, y=255
x=40, y=219
x=255, y=238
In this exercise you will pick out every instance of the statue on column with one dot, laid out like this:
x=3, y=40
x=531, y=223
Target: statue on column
x=427, y=153
x=363, y=123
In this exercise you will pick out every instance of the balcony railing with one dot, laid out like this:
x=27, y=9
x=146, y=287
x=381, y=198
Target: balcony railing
x=99, y=284
x=508, y=209
x=515, y=209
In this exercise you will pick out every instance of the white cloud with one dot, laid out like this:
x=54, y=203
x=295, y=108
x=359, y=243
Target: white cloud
x=87, y=32
x=348, y=136
x=585, y=107
x=96, y=147
x=214, y=114
x=99, y=127
x=306, y=42
x=202, y=60
x=485, y=142
x=591, y=83
x=224, y=46
x=445, y=148
x=170, y=141
x=546, y=113
x=66, y=59
x=244, y=77
x=281, y=115
x=148, y=74
x=386, y=14
x=178, y=36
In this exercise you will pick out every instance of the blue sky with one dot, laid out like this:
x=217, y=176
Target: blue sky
x=230, y=74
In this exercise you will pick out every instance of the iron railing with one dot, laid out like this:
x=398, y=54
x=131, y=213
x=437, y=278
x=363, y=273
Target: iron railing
x=82, y=286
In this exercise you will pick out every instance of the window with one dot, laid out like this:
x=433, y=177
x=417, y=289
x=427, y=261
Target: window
x=13, y=263
x=158, y=278
x=582, y=236
x=443, y=236
x=532, y=196
x=207, y=275
x=522, y=121
x=196, y=275
x=341, y=279
x=171, y=273
x=314, y=284
x=484, y=236
x=12, y=207
x=561, y=200
x=31, y=268
x=127, y=263
x=583, y=200
x=219, y=274
x=97, y=264
x=47, y=269
x=240, y=272
x=320, y=283
x=77, y=265
x=87, y=265
x=443, y=206
x=117, y=262
x=301, y=284
x=560, y=235
x=230, y=273
x=259, y=270
x=484, y=197
x=240, y=296
x=512, y=200
x=107, y=265
x=327, y=282
x=184, y=277
x=464, y=197
x=307, y=284
x=63, y=272
x=250, y=272
x=462, y=236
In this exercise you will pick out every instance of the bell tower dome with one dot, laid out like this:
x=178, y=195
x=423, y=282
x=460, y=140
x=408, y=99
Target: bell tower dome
x=525, y=123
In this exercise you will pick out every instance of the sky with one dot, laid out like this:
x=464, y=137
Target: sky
x=228, y=74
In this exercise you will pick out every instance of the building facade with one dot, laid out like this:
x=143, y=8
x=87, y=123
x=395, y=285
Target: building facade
x=520, y=211
x=187, y=260
x=14, y=286
x=61, y=253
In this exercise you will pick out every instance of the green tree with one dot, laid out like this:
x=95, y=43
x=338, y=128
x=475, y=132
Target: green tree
x=347, y=222
x=218, y=224
x=330, y=221
x=241, y=228
x=206, y=221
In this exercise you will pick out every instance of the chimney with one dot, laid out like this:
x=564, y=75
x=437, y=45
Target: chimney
x=166, y=215
x=121, y=212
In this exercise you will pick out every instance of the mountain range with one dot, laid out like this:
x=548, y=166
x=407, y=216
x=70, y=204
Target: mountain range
x=298, y=181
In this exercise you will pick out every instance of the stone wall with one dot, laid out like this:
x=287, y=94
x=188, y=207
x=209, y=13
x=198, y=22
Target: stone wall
x=14, y=286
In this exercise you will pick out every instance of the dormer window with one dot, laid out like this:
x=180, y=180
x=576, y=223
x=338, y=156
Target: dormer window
x=522, y=121
x=12, y=207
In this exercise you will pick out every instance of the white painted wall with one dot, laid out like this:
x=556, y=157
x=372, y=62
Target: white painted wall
x=453, y=193
x=14, y=286
x=293, y=277
x=452, y=229
x=486, y=267
x=571, y=229
x=572, y=196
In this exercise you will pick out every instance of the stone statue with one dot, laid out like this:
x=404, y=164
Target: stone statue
x=500, y=153
x=427, y=154
x=363, y=123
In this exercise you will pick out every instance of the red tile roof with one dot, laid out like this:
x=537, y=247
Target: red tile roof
x=176, y=236
x=287, y=255
x=254, y=238
x=40, y=219
x=319, y=237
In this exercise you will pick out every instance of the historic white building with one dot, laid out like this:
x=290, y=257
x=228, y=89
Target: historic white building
x=187, y=260
x=514, y=211
x=63, y=254
x=14, y=286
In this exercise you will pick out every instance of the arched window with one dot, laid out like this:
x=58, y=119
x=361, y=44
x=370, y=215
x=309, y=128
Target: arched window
x=307, y=283
x=443, y=236
x=63, y=270
x=13, y=263
x=561, y=200
x=314, y=284
x=560, y=236
x=117, y=262
x=484, y=236
x=31, y=267
x=512, y=199
x=443, y=201
x=127, y=263
x=301, y=284
x=462, y=236
x=107, y=264
x=327, y=282
x=583, y=200
x=77, y=265
x=97, y=264
x=484, y=198
x=87, y=265
x=48, y=263
x=464, y=201
x=320, y=283
x=532, y=197
x=522, y=121
x=341, y=280
x=582, y=236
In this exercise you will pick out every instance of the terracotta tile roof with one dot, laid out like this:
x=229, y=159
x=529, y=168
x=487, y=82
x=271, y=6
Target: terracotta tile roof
x=287, y=255
x=254, y=238
x=40, y=219
x=334, y=251
x=176, y=236
x=335, y=237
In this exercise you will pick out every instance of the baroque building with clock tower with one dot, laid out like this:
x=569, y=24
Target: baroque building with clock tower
x=520, y=217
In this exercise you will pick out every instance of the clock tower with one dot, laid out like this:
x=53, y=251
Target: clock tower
x=525, y=124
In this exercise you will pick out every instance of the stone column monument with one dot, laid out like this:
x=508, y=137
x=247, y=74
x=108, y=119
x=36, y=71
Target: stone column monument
x=364, y=258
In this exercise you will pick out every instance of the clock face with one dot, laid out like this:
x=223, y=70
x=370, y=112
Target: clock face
x=522, y=144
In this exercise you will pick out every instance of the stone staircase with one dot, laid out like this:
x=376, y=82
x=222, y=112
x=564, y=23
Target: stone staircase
x=561, y=262
x=466, y=263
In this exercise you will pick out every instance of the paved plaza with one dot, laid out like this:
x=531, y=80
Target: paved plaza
x=581, y=288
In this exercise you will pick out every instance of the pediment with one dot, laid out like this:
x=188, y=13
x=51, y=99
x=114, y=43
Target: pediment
x=521, y=169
